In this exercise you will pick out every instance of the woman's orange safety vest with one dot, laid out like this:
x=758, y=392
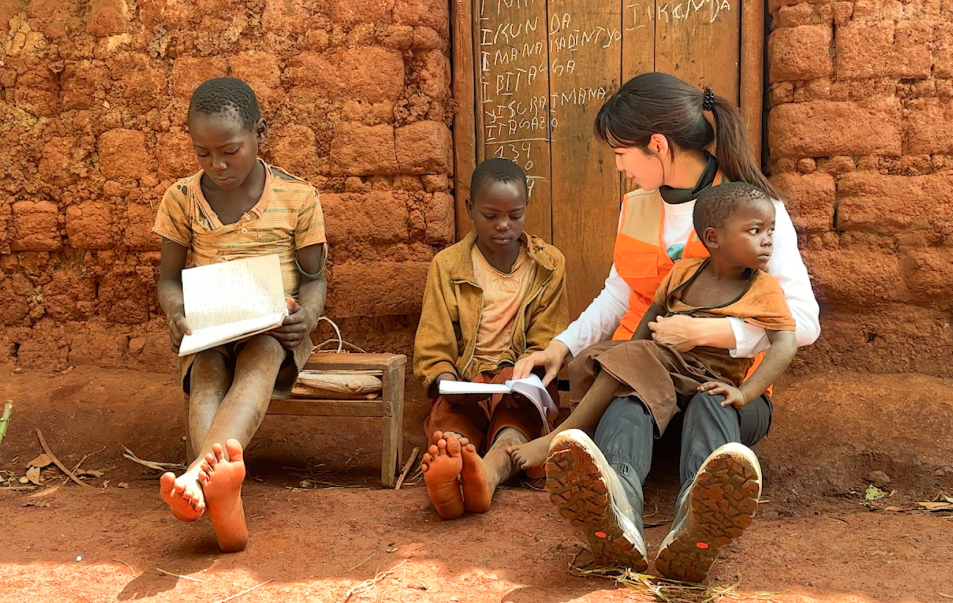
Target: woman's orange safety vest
x=640, y=257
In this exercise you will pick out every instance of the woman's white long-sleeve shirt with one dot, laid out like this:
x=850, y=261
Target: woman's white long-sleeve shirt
x=600, y=320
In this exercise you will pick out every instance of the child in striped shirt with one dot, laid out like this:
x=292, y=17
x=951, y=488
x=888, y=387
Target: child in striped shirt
x=235, y=207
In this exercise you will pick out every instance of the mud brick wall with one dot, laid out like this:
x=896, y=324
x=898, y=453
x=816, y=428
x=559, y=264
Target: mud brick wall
x=93, y=103
x=860, y=137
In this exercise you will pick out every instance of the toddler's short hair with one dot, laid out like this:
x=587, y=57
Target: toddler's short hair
x=222, y=94
x=716, y=204
x=497, y=170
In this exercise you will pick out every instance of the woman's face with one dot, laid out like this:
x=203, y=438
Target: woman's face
x=645, y=167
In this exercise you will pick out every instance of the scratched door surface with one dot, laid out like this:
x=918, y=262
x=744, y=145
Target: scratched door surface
x=542, y=70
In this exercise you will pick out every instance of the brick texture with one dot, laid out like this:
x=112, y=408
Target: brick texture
x=356, y=95
x=862, y=149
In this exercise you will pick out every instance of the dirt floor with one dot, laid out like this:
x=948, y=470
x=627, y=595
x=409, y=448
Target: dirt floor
x=321, y=526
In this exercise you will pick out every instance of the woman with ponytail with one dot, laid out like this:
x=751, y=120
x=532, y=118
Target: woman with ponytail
x=660, y=131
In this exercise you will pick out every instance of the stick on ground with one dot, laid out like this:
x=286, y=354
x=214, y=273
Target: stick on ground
x=5, y=419
x=247, y=590
x=371, y=582
x=49, y=453
x=407, y=466
x=175, y=575
x=127, y=565
x=129, y=454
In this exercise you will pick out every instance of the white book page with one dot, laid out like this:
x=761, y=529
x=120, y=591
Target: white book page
x=229, y=292
x=531, y=388
x=209, y=337
x=468, y=387
x=227, y=301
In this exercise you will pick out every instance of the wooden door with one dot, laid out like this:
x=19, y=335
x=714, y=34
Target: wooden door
x=531, y=75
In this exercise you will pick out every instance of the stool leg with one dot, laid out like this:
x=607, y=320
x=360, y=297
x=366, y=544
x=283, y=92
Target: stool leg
x=393, y=425
x=388, y=454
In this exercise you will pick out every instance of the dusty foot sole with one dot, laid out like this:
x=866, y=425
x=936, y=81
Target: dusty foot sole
x=580, y=483
x=723, y=499
x=444, y=463
x=477, y=495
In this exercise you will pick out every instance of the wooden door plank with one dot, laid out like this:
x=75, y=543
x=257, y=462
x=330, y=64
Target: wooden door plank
x=638, y=37
x=585, y=57
x=513, y=92
x=638, y=48
x=464, y=126
x=752, y=71
x=699, y=41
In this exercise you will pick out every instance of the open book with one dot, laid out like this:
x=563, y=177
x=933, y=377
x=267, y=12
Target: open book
x=232, y=300
x=531, y=388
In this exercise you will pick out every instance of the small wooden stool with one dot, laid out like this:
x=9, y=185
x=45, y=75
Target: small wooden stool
x=389, y=404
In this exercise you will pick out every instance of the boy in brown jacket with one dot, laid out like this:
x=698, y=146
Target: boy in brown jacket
x=496, y=296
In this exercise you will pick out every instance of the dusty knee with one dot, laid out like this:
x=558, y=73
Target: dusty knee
x=265, y=344
x=210, y=360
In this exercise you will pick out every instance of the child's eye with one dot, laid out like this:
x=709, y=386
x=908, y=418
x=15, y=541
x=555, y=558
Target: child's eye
x=755, y=231
x=231, y=152
x=488, y=217
x=516, y=216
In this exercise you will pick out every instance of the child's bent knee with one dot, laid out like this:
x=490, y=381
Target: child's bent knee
x=265, y=345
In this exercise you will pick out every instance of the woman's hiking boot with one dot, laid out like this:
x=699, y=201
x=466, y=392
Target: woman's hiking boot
x=589, y=493
x=712, y=511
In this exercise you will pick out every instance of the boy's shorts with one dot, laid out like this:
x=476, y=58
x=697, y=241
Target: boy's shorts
x=481, y=423
x=294, y=361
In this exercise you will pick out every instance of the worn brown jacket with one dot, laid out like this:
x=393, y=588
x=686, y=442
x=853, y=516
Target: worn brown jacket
x=453, y=307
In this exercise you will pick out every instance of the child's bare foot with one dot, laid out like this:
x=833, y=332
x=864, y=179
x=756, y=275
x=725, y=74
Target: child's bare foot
x=222, y=478
x=477, y=493
x=531, y=454
x=183, y=495
x=441, y=467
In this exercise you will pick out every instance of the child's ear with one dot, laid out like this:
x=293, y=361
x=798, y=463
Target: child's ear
x=469, y=203
x=710, y=238
x=261, y=130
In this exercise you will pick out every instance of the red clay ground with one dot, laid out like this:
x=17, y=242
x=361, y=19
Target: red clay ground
x=814, y=539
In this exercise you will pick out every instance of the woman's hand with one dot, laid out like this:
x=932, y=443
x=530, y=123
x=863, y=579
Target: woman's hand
x=733, y=395
x=551, y=359
x=178, y=328
x=678, y=332
x=296, y=326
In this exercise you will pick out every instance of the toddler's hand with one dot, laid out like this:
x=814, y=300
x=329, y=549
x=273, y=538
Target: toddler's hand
x=296, y=326
x=733, y=395
x=178, y=328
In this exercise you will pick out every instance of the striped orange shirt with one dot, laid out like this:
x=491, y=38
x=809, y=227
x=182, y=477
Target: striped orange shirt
x=288, y=217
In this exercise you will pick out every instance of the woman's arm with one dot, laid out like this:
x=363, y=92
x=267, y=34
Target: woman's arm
x=595, y=324
x=169, y=290
x=601, y=318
